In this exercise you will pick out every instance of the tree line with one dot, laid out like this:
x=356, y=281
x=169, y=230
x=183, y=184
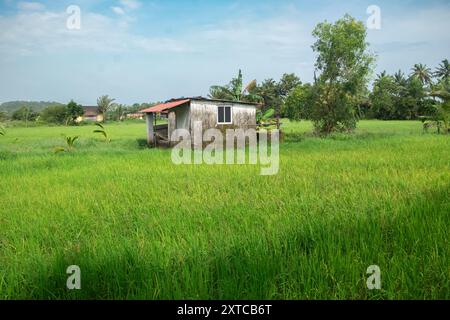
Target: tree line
x=71, y=113
x=339, y=95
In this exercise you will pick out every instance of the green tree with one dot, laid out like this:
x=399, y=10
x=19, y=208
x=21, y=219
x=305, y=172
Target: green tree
x=411, y=99
x=440, y=117
x=400, y=79
x=55, y=114
x=287, y=83
x=421, y=72
x=382, y=97
x=298, y=103
x=74, y=111
x=443, y=71
x=119, y=112
x=397, y=98
x=343, y=66
x=3, y=116
x=25, y=114
x=104, y=103
x=268, y=91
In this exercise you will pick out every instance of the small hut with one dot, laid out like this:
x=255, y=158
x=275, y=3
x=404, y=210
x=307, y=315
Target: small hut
x=183, y=113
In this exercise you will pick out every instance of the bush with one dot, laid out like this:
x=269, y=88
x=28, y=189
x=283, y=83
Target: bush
x=55, y=114
x=25, y=114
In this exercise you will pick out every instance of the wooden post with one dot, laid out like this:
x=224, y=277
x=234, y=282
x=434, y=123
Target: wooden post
x=150, y=129
x=172, y=124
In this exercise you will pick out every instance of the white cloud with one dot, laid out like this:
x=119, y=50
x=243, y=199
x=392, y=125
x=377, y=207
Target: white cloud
x=31, y=33
x=30, y=6
x=118, y=10
x=130, y=4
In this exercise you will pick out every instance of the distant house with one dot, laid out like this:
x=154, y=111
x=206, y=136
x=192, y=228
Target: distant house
x=138, y=115
x=183, y=113
x=90, y=114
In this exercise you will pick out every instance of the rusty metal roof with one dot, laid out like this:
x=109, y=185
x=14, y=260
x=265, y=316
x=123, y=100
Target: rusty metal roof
x=177, y=102
x=165, y=106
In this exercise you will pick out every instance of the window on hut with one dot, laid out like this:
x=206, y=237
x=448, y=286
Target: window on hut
x=224, y=115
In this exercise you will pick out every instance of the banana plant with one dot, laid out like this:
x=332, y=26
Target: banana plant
x=102, y=131
x=265, y=119
x=2, y=131
x=70, y=144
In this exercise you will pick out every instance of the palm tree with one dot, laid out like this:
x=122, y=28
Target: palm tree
x=421, y=72
x=382, y=75
x=104, y=103
x=235, y=91
x=443, y=71
x=400, y=78
x=119, y=112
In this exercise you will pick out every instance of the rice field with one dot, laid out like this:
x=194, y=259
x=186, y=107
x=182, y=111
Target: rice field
x=140, y=227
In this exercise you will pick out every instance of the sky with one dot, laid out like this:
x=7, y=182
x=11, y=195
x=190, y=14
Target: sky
x=145, y=51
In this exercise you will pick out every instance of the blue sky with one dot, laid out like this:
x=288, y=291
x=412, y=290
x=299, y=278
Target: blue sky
x=142, y=51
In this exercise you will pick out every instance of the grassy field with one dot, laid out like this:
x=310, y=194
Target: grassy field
x=140, y=227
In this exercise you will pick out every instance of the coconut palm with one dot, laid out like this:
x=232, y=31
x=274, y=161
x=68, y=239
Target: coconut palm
x=443, y=71
x=104, y=103
x=400, y=78
x=382, y=75
x=421, y=72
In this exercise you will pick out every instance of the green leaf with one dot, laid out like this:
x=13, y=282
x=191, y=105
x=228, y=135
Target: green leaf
x=59, y=149
x=268, y=114
x=102, y=132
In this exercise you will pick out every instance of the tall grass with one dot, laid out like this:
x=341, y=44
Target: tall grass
x=141, y=227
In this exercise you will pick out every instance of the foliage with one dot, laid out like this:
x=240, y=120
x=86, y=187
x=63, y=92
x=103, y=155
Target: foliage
x=102, y=131
x=287, y=83
x=398, y=97
x=440, y=118
x=265, y=119
x=274, y=94
x=55, y=114
x=268, y=91
x=70, y=144
x=37, y=106
x=422, y=73
x=104, y=103
x=2, y=130
x=25, y=114
x=235, y=91
x=298, y=103
x=119, y=112
x=3, y=116
x=74, y=111
x=443, y=71
x=343, y=64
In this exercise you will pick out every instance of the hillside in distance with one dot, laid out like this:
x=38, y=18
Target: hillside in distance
x=36, y=106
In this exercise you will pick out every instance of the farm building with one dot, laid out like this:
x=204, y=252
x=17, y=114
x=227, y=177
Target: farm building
x=137, y=115
x=183, y=113
x=90, y=114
